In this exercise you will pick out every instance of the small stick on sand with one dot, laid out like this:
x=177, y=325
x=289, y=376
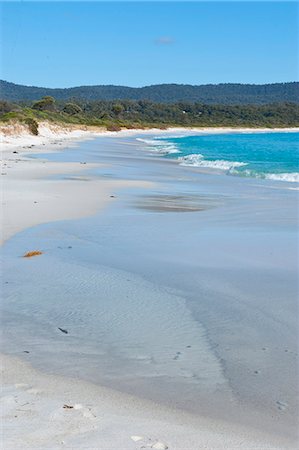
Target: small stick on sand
x=62, y=330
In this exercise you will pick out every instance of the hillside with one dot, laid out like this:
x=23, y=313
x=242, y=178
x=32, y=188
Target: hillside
x=228, y=94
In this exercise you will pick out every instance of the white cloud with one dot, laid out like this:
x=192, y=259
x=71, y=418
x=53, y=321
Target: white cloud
x=164, y=40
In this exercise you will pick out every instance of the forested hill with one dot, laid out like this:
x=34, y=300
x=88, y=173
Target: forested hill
x=228, y=94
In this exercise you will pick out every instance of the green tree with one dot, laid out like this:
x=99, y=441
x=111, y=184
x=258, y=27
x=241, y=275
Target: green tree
x=32, y=125
x=45, y=104
x=117, y=108
x=72, y=109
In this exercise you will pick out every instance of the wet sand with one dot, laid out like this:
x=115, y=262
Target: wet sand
x=46, y=411
x=173, y=294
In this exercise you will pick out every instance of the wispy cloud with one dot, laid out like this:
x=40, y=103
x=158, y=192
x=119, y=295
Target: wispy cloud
x=164, y=40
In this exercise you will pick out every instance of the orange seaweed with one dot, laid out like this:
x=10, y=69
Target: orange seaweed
x=32, y=253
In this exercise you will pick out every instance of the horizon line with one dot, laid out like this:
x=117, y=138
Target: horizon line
x=151, y=85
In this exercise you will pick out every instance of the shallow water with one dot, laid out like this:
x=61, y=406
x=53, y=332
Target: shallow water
x=260, y=155
x=196, y=309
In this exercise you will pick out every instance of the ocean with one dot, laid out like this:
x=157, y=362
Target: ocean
x=271, y=155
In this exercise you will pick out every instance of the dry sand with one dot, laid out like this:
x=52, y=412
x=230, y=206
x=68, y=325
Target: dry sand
x=41, y=411
x=31, y=195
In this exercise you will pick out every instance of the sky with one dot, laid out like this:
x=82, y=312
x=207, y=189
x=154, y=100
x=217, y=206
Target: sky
x=64, y=44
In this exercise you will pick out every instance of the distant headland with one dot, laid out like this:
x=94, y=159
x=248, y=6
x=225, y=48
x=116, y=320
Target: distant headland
x=226, y=93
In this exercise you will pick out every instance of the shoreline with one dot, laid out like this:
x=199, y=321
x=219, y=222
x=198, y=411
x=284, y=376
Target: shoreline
x=16, y=135
x=41, y=401
x=33, y=208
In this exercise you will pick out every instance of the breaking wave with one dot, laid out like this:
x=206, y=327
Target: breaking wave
x=160, y=146
x=290, y=177
x=165, y=147
x=197, y=160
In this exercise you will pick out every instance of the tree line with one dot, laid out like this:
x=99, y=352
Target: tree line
x=144, y=113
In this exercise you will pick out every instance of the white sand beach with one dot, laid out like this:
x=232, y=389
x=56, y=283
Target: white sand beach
x=30, y=196
x=30, y=193
x=42, y=410
x=48, y=412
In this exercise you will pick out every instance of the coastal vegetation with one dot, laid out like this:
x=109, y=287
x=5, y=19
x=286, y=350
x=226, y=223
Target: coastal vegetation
x=32, y=125
x=115, y=115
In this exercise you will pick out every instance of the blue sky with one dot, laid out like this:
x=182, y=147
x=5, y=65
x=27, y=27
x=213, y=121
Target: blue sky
x=58, y=44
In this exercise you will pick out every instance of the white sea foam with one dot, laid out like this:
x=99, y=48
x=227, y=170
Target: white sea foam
x=147, y=141
x=160, y=146
x=290, y=177
x=176, y=136
x=197, y=160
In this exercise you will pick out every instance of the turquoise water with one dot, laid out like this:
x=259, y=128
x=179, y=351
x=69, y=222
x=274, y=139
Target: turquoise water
x=262, y=155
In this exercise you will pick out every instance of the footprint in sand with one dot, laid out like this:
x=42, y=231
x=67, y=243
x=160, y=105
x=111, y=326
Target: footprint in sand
x=145, y=442
x=176, y=357
x=85, y=411
x=34, y=391
x=282, y=406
